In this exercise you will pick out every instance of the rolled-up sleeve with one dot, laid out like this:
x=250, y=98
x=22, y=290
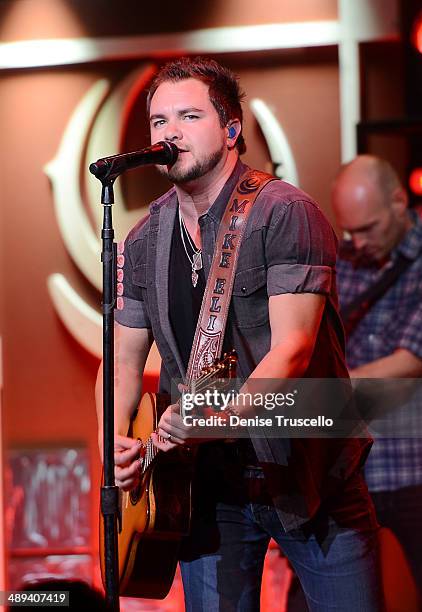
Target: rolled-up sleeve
x=301, y=249
x=134, y=312
x=299, y=278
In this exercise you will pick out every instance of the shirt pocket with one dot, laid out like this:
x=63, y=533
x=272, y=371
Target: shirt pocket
x=139, y=276
x=250, y=297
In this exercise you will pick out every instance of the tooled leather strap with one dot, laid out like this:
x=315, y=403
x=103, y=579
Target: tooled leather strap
x=209, y=334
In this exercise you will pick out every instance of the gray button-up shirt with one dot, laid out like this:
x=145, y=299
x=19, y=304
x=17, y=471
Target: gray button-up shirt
x=288, y=247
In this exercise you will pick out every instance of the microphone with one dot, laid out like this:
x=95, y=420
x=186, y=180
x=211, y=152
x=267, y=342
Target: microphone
x=162, y=153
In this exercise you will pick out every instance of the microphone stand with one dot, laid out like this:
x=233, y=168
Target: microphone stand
x=109, y=490
x=107, y=170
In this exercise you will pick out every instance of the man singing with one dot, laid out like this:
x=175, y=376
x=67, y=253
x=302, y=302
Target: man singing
x=306, y=494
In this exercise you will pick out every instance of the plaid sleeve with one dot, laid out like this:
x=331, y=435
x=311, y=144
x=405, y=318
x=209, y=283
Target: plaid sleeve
x=300, y=251
x=411, y=337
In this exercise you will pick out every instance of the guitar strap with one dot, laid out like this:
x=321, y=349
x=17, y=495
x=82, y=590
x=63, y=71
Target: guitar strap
x=353, y=312
x=209, y=334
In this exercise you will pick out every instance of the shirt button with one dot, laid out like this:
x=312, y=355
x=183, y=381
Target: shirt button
x=243, y=290
x=371, y=337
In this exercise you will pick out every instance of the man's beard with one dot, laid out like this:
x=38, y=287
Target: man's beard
x=200, y=168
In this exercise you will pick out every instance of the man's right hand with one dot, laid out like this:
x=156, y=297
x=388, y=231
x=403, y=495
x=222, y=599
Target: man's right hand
x=126, y=460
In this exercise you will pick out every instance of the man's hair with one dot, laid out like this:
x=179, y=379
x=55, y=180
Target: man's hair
x=223, y=87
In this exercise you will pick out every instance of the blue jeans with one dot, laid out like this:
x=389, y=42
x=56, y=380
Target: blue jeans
x=223, y=562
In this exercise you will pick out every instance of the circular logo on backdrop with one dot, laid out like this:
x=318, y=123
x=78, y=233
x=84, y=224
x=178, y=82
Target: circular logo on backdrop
x=86, y=137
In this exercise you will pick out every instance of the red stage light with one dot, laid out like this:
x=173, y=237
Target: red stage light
x=415, y=181
x=417, y=33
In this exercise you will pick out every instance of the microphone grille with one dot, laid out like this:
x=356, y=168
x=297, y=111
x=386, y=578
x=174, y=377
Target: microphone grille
x=172, y=152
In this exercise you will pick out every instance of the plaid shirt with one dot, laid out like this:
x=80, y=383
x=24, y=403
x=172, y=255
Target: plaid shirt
x=394, y=321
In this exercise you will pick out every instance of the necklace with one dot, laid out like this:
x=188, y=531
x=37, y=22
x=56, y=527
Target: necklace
x=196, y=259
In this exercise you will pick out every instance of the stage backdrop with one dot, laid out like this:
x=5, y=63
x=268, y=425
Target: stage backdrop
x=57, y=115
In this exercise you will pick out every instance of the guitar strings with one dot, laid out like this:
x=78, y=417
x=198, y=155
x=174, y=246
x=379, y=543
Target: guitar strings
x=200, y=383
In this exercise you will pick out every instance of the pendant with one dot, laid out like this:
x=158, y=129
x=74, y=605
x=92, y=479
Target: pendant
x=194, y=277
x=197, y=260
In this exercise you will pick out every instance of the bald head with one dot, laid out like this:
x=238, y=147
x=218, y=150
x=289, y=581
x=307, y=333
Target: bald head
x=370, y=172
x=371, y=205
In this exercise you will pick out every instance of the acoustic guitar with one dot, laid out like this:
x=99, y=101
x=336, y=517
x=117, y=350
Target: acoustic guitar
x=155, y=515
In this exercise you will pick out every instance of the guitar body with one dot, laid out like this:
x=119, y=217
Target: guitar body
x=155, y=515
